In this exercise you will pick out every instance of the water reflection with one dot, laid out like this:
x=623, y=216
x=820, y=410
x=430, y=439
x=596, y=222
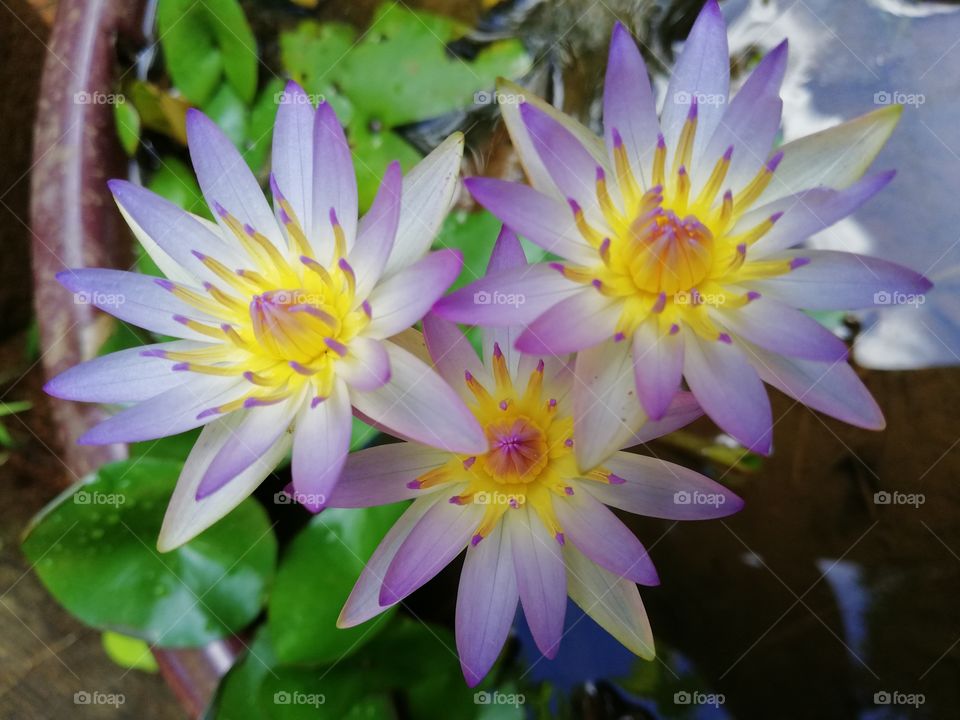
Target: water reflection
x=846, y=58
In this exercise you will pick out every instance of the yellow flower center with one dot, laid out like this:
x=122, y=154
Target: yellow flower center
x=283, y=323
x=672, y=254
x=530, y=460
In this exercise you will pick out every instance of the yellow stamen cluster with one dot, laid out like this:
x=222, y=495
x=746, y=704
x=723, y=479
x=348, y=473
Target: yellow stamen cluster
x=284, y=322
x=530, y=461
x=669, y=254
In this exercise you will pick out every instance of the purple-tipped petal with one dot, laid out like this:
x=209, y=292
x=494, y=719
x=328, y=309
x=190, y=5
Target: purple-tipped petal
x=507, y=255
x=832, y=280
x=383, y=474
x=612, y=602
x=513, y=297
x=334, y=182
x=292, y=157
x=702, y=73
x=628, y=105
x=831, y=388
x=418, y=405
x=729, y=390
x=122, y=377
x=658, y=367
x=366, y=365
x=442, y=533
x=581, y=321
x=364, y=600
x=541, y=577
x=600, y=535
x=429, y=191
x=606, y=411
x=133, y=298
x=661, y=489
x=750, y=124
x=158, y=223
x=683, y=410
x=486, y=604
x=407, y=295
x=174, y=411
x=258, y=430
x=225, y=178
x=811, y=161
x=523, y=144
x=541, y=219
x=807, y=213
x=570, y=164
x=320, y=446
x=378, y=229
x=451, y=353
x=783, y=330
x=187, y=517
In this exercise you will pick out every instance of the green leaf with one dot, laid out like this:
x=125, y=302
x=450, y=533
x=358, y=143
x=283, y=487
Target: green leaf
x=402, y=71
x=361, y=435
x=474, y=234
x=175, y=181
x=127, y=119
x=293, y=693
x=310, y=54
x=372, y=152
x=238, y=697
x=256, y=148
x=203, y=41
x=315, y=577
x=172, y=447
x=229, y=112
x=94, y=550
x=129, y=652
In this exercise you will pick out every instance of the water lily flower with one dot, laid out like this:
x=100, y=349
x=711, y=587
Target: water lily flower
x=678, y=238
x=535, y=527
x=282, y=317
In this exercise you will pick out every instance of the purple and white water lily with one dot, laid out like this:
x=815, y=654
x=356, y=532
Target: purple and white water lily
x=282, y=316
x=678, y=238
x=536, y=529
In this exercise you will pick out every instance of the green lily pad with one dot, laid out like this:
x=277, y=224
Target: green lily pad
x=315, y=577
x=94, y=550
x=372, y=152
x=174, y=180
x=129, y=652
x=127, y=119
x=229, y=112
x=310, y=53
x=204, y=41
x=474, y=234
x=402, y=72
